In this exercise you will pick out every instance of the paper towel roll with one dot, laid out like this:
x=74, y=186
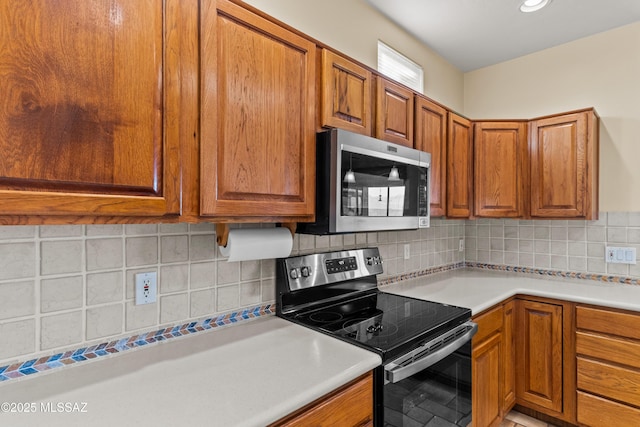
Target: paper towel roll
x=246, y=244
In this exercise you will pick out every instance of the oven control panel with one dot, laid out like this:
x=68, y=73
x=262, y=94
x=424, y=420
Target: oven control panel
x=341, y=264
x=314, y=270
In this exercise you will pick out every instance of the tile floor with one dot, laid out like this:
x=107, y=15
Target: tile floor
x=516, y=419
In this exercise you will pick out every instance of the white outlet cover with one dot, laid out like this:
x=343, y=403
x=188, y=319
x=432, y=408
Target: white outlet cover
x=620, y=255
x=146, y=287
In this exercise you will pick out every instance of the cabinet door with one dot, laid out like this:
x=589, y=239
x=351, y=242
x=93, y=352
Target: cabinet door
x=564, y=166
x=258, y=134
x=459, y=167
x=486, y=364
x=539, y=362
x=431, y=136
x=346, y=94
x=394, y=113
x=500, y=165
x=86, y=122
x=508, y=358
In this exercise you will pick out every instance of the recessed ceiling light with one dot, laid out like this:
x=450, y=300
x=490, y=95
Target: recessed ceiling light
x=533, y=5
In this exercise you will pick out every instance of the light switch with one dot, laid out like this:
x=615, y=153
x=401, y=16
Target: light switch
x=618, y=255
x=630, y=255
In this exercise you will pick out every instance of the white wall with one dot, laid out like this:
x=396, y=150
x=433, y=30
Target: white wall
x=600, y=71
x=354, y=27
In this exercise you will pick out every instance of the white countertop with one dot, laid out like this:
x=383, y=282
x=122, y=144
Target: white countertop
x=244, y=375
x=481, y=289
x=258, y=372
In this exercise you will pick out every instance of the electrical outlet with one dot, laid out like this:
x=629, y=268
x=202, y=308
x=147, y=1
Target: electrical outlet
x=146, y=287
x=407, y=251
x=461, y=245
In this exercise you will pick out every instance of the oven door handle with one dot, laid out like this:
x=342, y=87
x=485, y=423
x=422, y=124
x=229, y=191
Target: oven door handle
x=429, y=353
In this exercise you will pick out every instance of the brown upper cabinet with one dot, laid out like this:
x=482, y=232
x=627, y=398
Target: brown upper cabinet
x=431, y=136
x=500, y=169
x=549, y=171
x=257, y=149
x=394, y=112
x=459, y=167
x=88, y=124
x=347, y=101
x=346, y=94
x=564, y=166
x=190, y=110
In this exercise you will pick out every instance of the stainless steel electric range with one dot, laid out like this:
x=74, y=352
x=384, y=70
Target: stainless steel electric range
x=425, y=377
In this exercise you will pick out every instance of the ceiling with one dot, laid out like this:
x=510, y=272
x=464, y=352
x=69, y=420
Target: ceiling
x=472, y=34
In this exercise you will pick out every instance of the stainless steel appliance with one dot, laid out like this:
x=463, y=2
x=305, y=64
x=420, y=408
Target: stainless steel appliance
x=425, y=378
x=365, y=184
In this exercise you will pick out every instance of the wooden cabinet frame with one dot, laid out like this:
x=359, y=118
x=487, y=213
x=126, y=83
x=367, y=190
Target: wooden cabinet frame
x=503, y=338
x=257, y=147
x=564, y=165
x=431, y=122
x=501, y=169
x=350, y=405
x=459, y=167
x=555, y=333
x=346, y=94
x=88, y=194
x=394, y=112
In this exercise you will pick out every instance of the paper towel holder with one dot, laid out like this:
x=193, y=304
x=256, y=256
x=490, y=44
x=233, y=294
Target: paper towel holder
x=222, y=231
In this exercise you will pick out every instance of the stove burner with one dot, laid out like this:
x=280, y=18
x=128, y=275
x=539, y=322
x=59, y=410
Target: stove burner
x=377, y=327
x=369, y=326
x=325, y=316
x=352, y=322
x=388, y=330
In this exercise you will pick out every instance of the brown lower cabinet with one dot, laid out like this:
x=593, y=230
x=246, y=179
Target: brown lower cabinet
x=493, y=393
x=351, y=405
x=524, y=354
x=608, y=367
x=570, y=365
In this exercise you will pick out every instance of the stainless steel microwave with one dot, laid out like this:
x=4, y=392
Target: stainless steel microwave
x=365, y=184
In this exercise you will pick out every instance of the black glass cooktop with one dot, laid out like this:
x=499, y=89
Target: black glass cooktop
x=386, y=323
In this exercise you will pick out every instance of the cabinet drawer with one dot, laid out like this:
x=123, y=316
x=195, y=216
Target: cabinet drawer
x=488, y=323
x=609, y=322
x=598, y=412
x=615, y=350
x=607, y=380
x=350, y=406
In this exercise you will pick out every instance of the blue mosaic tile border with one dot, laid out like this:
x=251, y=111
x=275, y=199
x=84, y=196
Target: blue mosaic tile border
x=35, y=366
x=420, y=273
x=525, y=270
x=556, y=273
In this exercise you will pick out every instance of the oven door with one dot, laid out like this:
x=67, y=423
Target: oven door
x=431, y=386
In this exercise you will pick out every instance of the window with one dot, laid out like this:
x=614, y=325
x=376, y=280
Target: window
x=395, y=65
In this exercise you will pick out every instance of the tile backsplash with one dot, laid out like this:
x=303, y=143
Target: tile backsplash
x=555, y=244
x=66, y=287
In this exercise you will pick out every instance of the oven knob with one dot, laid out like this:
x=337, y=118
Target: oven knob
x=293, y=273
x=305, y=271
x=369, y=260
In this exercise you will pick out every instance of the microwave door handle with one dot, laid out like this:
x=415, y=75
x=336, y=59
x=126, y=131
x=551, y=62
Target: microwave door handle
x=395, y=373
